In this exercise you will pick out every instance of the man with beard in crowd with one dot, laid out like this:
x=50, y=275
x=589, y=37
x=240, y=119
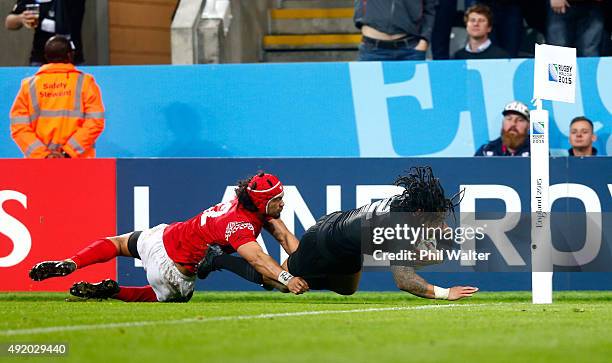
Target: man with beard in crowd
x=514, y=139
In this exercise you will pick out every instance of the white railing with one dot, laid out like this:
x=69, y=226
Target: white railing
x=207, y=31
x=184, y=39
x=219, y=9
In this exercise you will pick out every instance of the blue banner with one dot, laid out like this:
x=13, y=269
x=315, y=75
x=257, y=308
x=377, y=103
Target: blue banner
x=367, y=109
x=154, y=191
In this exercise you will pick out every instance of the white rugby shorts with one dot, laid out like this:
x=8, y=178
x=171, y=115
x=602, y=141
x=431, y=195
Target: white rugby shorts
x=164, y=277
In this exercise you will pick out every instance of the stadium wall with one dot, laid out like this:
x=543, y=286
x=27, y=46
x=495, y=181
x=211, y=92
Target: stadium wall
x=50, y=209
x=442, y=108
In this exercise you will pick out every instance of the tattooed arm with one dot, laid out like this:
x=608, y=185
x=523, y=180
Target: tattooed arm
x=407, y=280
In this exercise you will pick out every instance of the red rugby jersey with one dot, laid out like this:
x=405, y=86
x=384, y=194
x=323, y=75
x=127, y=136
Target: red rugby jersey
x=226, y=224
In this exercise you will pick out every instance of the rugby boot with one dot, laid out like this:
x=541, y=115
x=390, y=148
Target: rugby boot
x=205, y=266
x=101, y=290
x=47, y=269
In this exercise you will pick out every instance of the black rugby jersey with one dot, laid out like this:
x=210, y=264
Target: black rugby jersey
x=343, y=231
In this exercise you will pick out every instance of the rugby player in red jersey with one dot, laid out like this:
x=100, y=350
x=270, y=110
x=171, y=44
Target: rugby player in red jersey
x=170, y=253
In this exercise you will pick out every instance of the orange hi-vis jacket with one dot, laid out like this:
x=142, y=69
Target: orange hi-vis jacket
x=58, y=109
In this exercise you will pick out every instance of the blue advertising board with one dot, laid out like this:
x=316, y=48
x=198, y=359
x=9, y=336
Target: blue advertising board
x=367, y=109
x=178, y=189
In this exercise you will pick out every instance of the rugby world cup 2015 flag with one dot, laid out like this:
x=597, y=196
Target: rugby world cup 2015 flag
x=555, y=73
x=555, y=77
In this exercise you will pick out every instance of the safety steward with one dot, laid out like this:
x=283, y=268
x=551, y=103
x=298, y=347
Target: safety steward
x=58, y=112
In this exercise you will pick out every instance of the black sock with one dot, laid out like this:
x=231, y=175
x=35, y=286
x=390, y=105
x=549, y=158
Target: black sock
x=239, y=266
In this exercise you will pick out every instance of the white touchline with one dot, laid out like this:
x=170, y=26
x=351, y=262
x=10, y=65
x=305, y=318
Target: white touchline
x=54, y=329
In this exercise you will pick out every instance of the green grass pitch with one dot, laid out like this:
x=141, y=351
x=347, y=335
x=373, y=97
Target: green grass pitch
x=316, y=327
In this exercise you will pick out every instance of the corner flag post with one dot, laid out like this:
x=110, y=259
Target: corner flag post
x=555, y=75
x=541, y=246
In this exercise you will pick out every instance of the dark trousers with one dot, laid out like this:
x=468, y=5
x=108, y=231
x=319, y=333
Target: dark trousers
x=440, y=38
x=582, y=27
x=368, y=52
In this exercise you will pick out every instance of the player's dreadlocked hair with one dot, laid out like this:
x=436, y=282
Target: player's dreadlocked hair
x=423, y=193
x=243, y=195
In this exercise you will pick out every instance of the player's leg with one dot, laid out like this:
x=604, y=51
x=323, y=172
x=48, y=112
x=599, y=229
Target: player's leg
x=101, y=290
x=110, y=289
x=166, y=282
x=214, y=260
x=346, y=274
x=125, y=245
x=344, y=284
x=324, y=264
x=103, y=250
x=340, y=274
x=98, y=251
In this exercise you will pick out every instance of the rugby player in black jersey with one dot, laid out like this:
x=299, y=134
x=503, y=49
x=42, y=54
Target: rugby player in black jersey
x=330, y=253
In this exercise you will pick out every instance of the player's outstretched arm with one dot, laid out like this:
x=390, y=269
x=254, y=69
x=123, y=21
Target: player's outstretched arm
x=268, y=267
x=408, y=280
x=285, y=238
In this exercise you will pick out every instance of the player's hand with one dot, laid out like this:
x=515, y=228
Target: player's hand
x=29, y=19
x=459, y=292
x=559, y=6
x=297, y=285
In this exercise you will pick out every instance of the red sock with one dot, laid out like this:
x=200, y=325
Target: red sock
x=101, y=250
x=136, y=294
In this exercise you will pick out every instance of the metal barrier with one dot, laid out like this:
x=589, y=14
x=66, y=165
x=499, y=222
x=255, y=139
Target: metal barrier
x=218, y=31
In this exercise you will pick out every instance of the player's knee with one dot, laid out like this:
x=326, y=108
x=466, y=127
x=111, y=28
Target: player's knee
x=178, y=298
x=120, y=242
x=345, y=290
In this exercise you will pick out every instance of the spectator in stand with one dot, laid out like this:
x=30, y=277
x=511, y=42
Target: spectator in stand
x=514, y=139
x=440, y=38
x=394, y=30
x=479, y=24
x=509, y=29
x=578, y=24
x=510, y=16
x=606, y=45
x=64, y=17
x=58, y=112
x=582, y=137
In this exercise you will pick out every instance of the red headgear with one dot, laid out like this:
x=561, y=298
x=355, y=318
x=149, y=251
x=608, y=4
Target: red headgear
x=262, y=189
